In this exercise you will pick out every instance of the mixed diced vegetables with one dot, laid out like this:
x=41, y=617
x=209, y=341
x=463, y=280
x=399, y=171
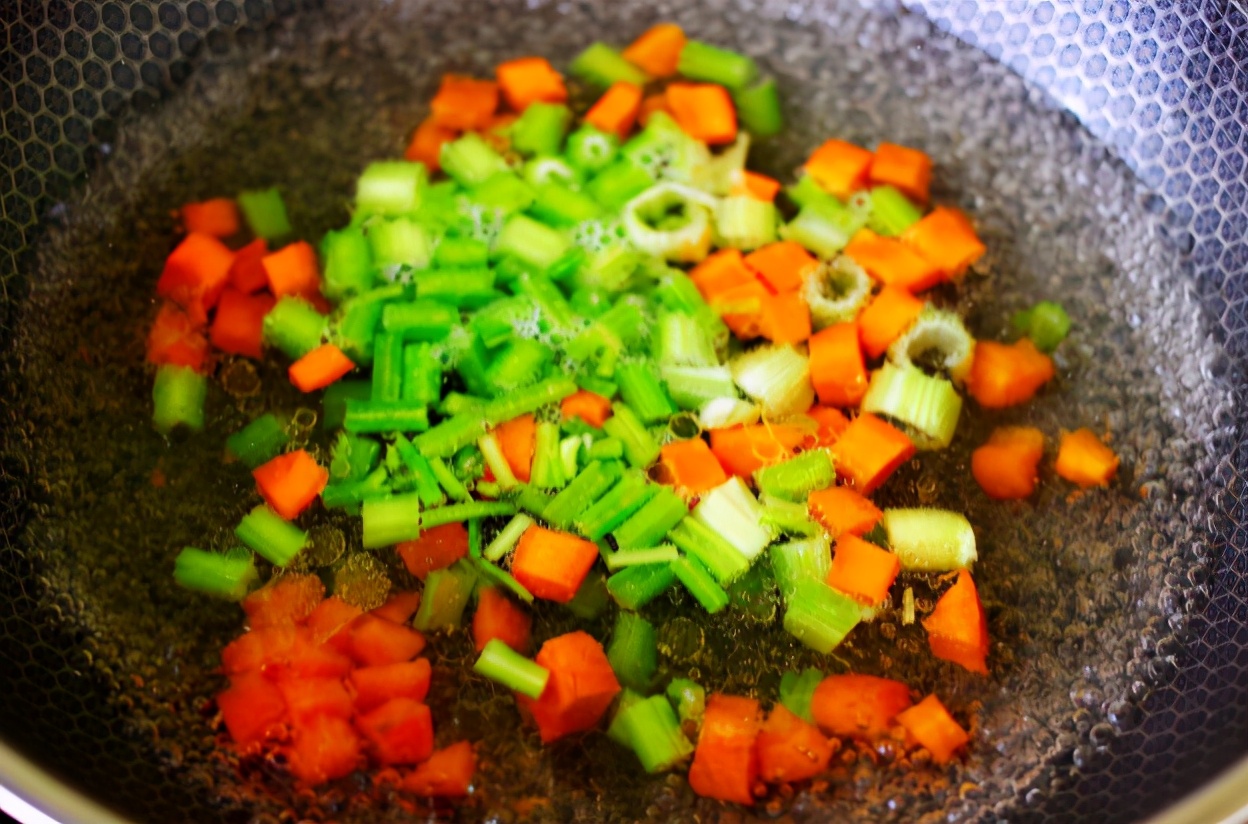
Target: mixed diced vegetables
x=580, y=359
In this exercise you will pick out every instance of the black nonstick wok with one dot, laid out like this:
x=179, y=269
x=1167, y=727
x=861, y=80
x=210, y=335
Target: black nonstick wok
x=1100, y=145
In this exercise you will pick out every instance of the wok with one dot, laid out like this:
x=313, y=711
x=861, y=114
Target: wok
x=1100, y=146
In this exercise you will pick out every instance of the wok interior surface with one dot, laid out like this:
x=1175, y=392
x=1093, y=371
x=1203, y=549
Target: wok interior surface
x=1115, y=654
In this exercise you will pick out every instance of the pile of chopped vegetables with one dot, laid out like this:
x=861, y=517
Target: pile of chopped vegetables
x=558, y=351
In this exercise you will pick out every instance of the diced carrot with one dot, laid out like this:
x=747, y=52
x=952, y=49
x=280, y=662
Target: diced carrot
x=931, y=725
x=323, y=749
x=783, y=265
x=657, y=51
x=829, y=422
x=720, y=272
x=330, y=616
x=374, y=686
x=307, y=659
x=447, y=773
x=498, y=616
x=400, y=731
x=946, y=237
x=436, y=548
x=238, y=325
x=843, y=511
x=552, y=564
x=862, y=570
x=957, y=630
x=784, y=318
x=516, y=438
x=247, y=271
x=1004, y=374
x=217, y=216
x=858, y=706
x=290, y=483
x=581, y=687
x=307, y=697
x=195, y=273
x=464, y=103
x=892, y=262
x=286, y=601
x=650, y=104
x=837, y=369
x=757, y=186
x=703, y=111
x=373, y=641
x=616, y=111
x=870, y=450
x=690, y=466
x=426, y=144
x=293, y=270
x=590, y=407
x=789, y=749
x=742, y=450
x=1005, y=466
x=527, y=80
x=839, y=167
x=319, y=368
x=905, y=169
x=399, y=607
x=741, y=307
x=725, y=763
x=252, y=709
x=175, y=339
x=888, y=315
x=1082, y=459
x=253, y=650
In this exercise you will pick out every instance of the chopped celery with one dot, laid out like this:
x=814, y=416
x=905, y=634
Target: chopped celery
x=731, y=511
x=370, y=417
x=461, y=253
x=350, y=495
x=470, y=160
x=259, y=441
x=797, y=561
x=265, y=213
x=388, y=521
x=618, y=183
x=178, y=395
x=788, y=517
x=504, y=192
x=633, y=651
x=641, y=389
x=891, y=212
x=501, y=663
x=930, y=540
x=777, y=377
x=540, y=129
x=592, y=598
x=636, y=586
x=758, y=108
x=451, y=435
x=651, y=728
x=529, y=399
x=445, y=596
x=586, y=488
x=353, y=457
x=265, y=532
x=390, y=187
x=605, y=449
x=797, y=690
x=823, y=227
x=559, y=206
x=334, y=401
x=745, y=222
x=458, y=513
x=492, y=451
x=616, y=730
x=721, y=413
x=420, y=472
x=634, y=557
x=819, y=616
x=507, y=538
x=542, y=170
x=422, y=374
x=547, y=468
x=590, y=151
x=797, y=477
x=419, y=320
x=836, y=292
x=640, y=447
x=713, y=551
x=926, y=406
x=1046, y=323
x=628, y=495
x=649, y=524
x=294, y=327
x=400, y=242
x=387, y=368
x=700, y=583
x=688, y=698
x=937, y=341
x=348, y=263
x=670, y=221
x=227, y=576
x=682, y=341
x=702, y=61
x=447, y=479
x=570, y=455
x=602, y=65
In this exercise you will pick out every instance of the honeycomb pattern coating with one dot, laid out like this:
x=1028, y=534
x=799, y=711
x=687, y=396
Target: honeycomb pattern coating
x=1166, y=703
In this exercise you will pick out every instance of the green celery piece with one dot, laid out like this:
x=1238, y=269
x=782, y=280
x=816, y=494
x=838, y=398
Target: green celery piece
x=797, y=690
x=388, y=521
x=653, y=731
x=228, y=576
x=504, y=191
x=819, y=616
x=390, y=187
x=652, y=522
x=334, y=401
x=700, y=583
x=348, y=263
x=540, y=129
x=592, y=597
x=445, y=596
x=502, y=664
x=636, y=586
x=891, y=212
x=796, y=478
x=294, y=327
x=633, y=651
x=758, y=108
x=259, y=441
x=265, y=213
x=267, y=534
x=702, y=61
x=178, y=395
x=602, y=65
x=589, y=150
x=353, y=457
